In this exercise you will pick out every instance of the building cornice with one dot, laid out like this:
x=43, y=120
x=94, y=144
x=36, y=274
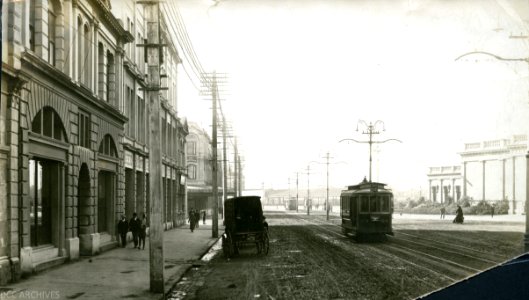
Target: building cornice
x=113, y=23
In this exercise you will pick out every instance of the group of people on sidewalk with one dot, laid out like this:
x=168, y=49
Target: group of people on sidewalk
x=137, y=227
x=194, y=218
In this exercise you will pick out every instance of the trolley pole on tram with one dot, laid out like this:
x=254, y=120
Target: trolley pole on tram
x=526, y=60
x=371, y=130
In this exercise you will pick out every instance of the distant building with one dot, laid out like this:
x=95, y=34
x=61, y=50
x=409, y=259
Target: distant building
x=491, y=170
x=444, y=184
x=198, y=154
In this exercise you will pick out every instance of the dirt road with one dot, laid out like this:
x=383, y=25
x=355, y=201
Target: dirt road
x=310, y=259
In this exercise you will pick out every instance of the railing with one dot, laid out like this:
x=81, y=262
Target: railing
x=444, y=169
x=491, y=144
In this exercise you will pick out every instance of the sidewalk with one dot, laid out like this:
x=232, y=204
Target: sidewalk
x=120, y=273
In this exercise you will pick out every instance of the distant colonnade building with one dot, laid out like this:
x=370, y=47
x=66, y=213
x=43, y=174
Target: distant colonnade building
x=491, y=170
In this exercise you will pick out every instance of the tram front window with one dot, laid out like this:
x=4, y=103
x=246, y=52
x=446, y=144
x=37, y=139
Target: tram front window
x=385, y=203
x=364, y=203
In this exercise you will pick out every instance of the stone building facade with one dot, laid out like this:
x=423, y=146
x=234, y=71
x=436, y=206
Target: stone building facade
x=199, y=174
x=496, y=170
x=199, y=178
x=491, y=170
x=67, y=132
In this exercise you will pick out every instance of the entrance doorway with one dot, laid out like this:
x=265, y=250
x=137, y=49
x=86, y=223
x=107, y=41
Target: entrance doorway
x=44, y=197
x=84, y=215
x=105, y=201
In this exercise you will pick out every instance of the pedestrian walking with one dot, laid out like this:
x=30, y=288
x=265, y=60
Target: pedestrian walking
x=443, y=211
x=135, y=226
x=492, y=211
x=459, y=215
x=197, y=218
x=143, y=232
x=191, y=220
x=123, y=228
x=204, y=217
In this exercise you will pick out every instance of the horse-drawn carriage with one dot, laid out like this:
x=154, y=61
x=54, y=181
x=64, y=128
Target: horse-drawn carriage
x=244, y=223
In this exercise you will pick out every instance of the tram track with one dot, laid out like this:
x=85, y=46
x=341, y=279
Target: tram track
x=460, y=247
x=419, y=254
x=392, y=255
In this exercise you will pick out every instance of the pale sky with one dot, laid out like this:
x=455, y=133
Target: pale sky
x=302, y=73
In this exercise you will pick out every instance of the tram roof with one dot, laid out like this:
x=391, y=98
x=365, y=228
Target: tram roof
x=365, y=185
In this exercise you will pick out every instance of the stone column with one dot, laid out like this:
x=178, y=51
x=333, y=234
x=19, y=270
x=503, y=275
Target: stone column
x=453, y=189
x=118, y=100
x=464, y=179
x=503, y=179
x=513, y=180
x=41, y=31
x=442, y=192
x=429, y=190
x=483, y=193
x=94, y=82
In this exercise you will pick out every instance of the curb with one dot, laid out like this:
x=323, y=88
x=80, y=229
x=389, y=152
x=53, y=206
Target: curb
x=188, y=267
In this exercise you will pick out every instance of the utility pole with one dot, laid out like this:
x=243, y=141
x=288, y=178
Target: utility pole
x=153, y=48
x=214, y=163
x=235, y=173
x=297, y=190
x=308, y=190
x=327, y=197
x=224, y=166
x=288, y=191
x=240, y=175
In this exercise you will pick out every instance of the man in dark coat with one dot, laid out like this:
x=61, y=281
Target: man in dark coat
x=135, y=227
x=123, y=228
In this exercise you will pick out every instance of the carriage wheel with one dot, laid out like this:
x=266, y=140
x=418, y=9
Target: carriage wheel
x=259, y=247
x=266, y=243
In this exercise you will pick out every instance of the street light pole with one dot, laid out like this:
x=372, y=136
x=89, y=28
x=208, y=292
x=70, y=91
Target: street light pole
x=327, y=196
x=297, y=191
x=308, y=190
x=371, y=130
x=526, y=60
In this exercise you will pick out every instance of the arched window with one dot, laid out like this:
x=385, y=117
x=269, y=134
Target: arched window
x=48, y=123
x=108, y=147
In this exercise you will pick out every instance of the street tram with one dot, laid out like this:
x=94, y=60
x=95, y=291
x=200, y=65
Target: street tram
x=291, y=204
x=366, y=211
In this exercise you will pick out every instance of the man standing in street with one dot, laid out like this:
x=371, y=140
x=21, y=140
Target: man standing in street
x=123, y=228
x=135, y=227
